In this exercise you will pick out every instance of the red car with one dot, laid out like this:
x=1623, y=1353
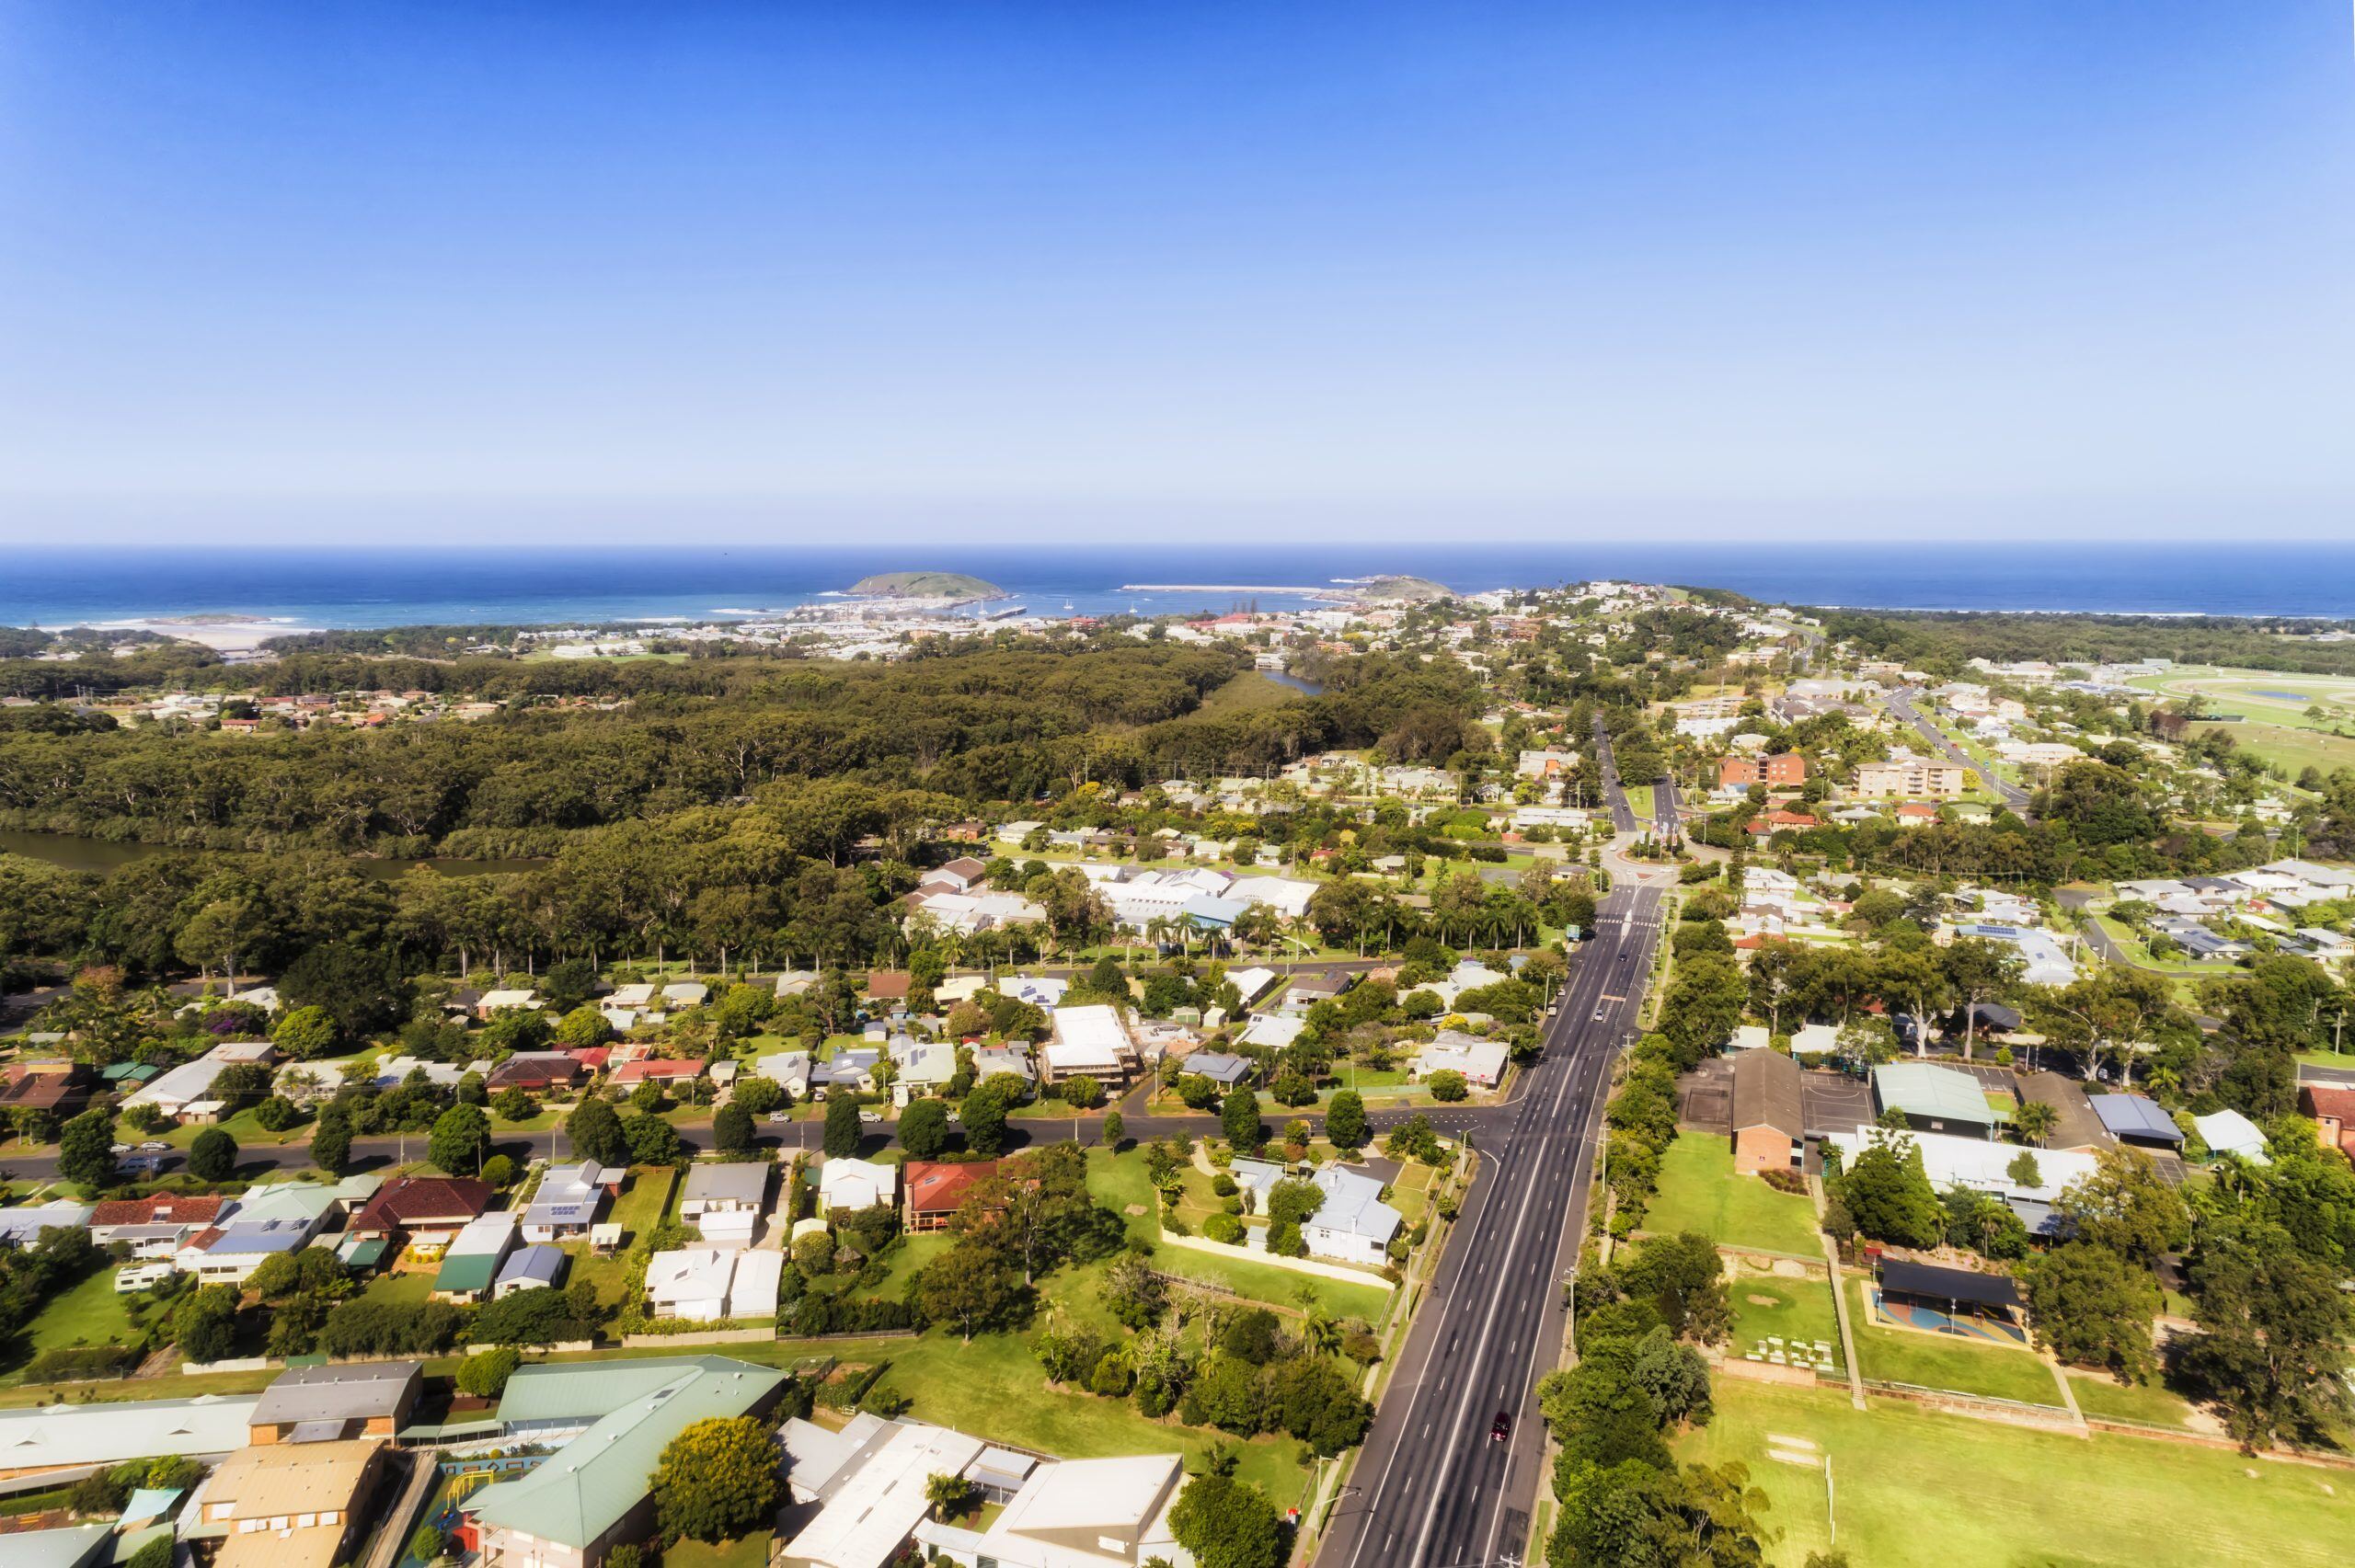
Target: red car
x=1501, y=1428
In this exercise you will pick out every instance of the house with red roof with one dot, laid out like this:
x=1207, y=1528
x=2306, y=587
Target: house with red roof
x=936, y=1191
x=429, y=1210
x=154, y=1227
x=658, y=1069
x=2333, y=1110
x=1780, y=822
x=537, y=1073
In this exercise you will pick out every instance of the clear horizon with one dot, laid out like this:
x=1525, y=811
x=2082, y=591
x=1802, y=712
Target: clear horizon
x=1694, y=271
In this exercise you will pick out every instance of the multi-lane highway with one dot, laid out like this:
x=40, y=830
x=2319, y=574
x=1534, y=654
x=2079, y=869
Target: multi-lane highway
x=1435, y=1487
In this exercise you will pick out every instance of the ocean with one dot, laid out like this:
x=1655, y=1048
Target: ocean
x=363, y=588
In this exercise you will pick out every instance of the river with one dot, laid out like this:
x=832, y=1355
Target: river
x=76, y=853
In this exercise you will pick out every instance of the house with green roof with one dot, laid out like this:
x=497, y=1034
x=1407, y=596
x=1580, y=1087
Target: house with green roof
x=565, y=1396
x=1936, y=1099
x=596, y=1490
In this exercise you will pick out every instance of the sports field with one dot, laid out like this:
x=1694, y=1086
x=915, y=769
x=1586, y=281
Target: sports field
x=1912, y=1486
x=2259, y=693
x=2287, y=720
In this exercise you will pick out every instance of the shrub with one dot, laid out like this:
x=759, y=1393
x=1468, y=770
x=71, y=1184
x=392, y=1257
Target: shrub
x=1223, y=1228
x=484, y=1373
x=81, y=1363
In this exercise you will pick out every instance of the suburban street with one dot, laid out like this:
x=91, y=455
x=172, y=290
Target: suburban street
x=39, y=1164
x=1432, y=1487
x=1900, y=703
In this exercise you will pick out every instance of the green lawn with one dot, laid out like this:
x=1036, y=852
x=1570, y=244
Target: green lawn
x=241, y=1126
x=400, y=1289
x=638, y=1210
x=2148, y=1403
x=644, y=1202
x=2289, y=747
x=994, y=1388
x=1122, y=1181
x=1700, y=1190
x=744, y=1552
x=1933, y=1361
x=912, y=1255
x=1797, y=1309
x=1915, y=1487
x=89, y=1314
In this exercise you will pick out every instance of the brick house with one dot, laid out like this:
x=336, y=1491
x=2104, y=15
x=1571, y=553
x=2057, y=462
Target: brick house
x=936, y=1191
x=1769, y=1128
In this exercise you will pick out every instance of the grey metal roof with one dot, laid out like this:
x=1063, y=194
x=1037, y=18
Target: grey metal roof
x=741, y=1181
x=355, y=1391
x=2132, y=1115
x=541, y=1264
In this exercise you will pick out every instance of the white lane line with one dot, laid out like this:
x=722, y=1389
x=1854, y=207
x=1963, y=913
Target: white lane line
x=1521, y=1233
x=1441, y=1295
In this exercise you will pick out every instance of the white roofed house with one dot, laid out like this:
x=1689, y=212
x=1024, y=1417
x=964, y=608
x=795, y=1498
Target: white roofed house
x=725, y=1202
x=281, y=1217
x=870, y=1480
x=568, y=1200
x=1273, y=1031
x=22, y=1224
x=791, y=1069
x=190, y=1083
x=925, y=1066
x=495, y=1002
x=706, y=1284
x=1089, y=1041
x=845, y=1184
x=1352, y=1225
x=1482, y=1062
x=990, y=1060
x=1287, y=895
x=2229, y=1132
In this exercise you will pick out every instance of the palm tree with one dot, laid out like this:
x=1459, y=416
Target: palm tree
x=2035, y=1121
x=947, y=1494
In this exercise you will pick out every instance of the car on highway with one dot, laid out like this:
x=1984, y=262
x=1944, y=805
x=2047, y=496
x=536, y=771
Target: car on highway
x=1501, y=1427
x=1598, y=1015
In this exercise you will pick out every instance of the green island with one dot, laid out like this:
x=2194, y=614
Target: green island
x=925, y=585
x=1404, y=589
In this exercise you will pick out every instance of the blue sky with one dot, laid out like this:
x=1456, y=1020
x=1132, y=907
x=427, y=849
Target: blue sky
x=1609, y=270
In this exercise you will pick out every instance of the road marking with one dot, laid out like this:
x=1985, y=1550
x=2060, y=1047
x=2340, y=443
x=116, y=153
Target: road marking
x=1487, y=1336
